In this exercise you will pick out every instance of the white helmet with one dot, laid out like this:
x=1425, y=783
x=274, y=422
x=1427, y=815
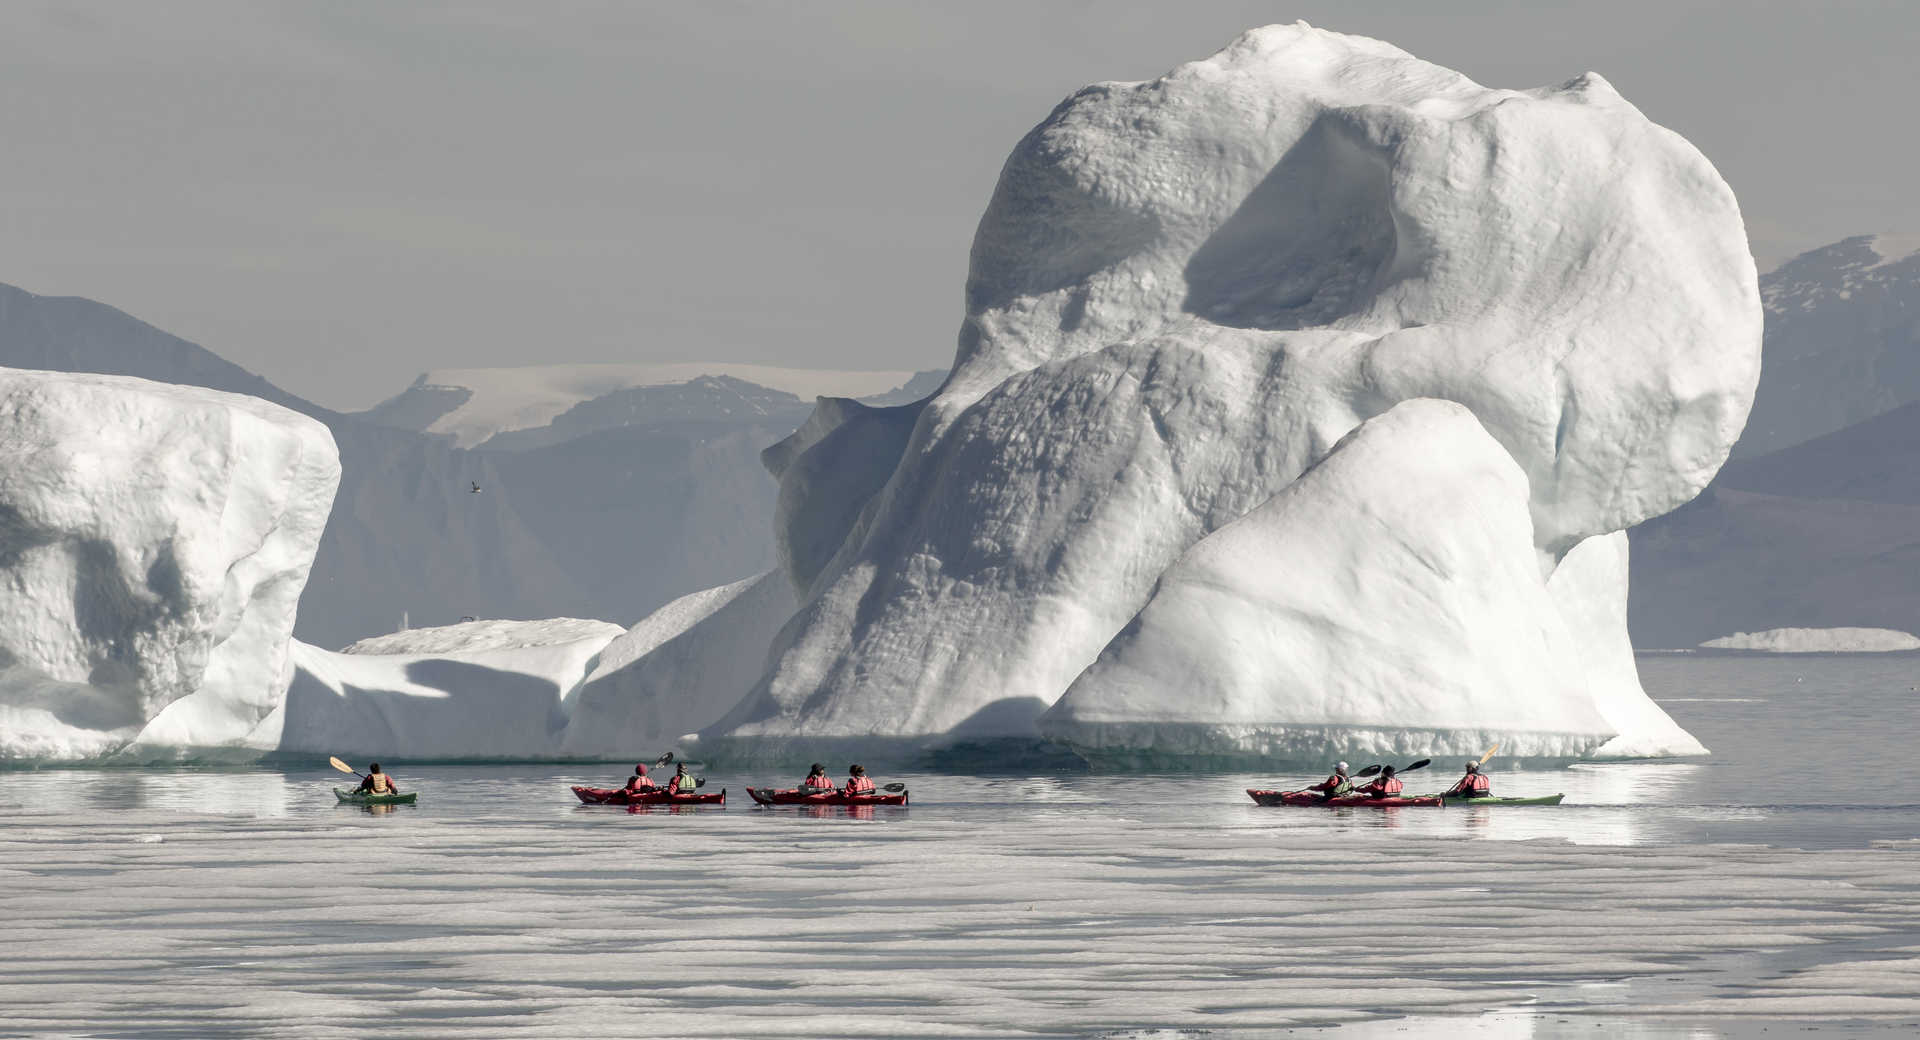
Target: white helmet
x=1341, y=768
x=1473, y=767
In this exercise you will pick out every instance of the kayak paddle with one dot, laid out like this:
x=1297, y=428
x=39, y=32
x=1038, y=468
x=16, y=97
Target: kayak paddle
x=343, y=767
x=1489, y=754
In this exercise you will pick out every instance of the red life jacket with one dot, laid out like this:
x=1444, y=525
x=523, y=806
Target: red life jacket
x=1386, y=787
x=859, y=785
x=818, y=781
x=1476, y=783
x=639, y=784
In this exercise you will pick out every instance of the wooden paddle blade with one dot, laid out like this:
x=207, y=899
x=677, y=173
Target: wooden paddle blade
x=1489, y=754
x=342, y=766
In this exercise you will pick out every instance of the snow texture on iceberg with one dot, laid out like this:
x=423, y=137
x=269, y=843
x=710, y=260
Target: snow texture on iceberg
x=154, y=540
x=1183, y=294
x=1388, y=603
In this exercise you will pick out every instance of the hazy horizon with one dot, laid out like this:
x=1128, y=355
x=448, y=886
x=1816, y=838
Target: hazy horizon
x=341, y=196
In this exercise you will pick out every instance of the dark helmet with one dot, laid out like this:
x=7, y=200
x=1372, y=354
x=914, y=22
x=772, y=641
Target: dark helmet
x=818, y=768
x=374, y=768
x=857, y=770
x=1388, y=771
x=680, y=768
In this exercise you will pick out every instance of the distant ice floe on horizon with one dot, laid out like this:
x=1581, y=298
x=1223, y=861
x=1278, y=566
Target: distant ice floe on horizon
x=1818, y=641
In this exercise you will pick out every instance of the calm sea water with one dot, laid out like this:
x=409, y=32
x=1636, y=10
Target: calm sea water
x=1772, y=885
x=1809, y=751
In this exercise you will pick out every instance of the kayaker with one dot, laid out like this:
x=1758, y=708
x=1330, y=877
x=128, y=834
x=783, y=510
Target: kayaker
x=682, y=782
x=1386, y=785
x=640, y=782
x=1473, y=785
x=1334, y=786
x=376, y=782
x=817, y=780
x=858, y=782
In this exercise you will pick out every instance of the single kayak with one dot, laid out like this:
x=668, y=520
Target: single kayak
x=1306, y=798
x=795, y=796
x=363, y=798
x=1545, y=799
x=619, y=796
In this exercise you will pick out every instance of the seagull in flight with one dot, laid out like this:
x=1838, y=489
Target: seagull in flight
x=476, y=486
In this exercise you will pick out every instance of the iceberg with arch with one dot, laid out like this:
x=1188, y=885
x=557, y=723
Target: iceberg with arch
x=1300, y=400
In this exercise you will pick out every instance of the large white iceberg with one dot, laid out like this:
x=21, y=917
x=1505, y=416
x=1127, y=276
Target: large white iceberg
x=154, y=540
x=1184, y=293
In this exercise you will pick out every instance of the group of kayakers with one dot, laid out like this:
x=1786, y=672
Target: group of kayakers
x=858, y=782
x=1474, y=784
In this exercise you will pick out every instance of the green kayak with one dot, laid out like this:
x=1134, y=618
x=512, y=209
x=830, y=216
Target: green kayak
x=1545, y=799
x=357, y=798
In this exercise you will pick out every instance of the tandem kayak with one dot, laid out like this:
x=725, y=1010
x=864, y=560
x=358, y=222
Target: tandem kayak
x=1304, y=798
x=795, y=796
x=1546, y=799
x=362, y=798
x=617, y=796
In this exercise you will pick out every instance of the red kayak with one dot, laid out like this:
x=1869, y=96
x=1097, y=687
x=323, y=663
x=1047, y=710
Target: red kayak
x=795, y=796
x=618, y=796
x=1308, y=798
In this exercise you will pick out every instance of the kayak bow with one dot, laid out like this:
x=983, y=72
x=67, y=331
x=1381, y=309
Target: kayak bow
x=363, y=798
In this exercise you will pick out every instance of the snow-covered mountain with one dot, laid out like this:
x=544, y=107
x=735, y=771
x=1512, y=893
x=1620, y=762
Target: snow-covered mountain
x=1818, y=535
x=602, y=507
x=1812, y=523
x=544, y=404
x=1842, y=341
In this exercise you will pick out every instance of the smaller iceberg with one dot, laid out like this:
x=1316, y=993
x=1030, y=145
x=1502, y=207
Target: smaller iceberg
x=1818, y=641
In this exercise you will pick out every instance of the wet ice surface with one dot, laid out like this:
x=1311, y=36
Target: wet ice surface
x=245, y=903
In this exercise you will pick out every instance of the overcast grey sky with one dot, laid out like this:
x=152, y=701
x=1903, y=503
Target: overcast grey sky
x=339, y=195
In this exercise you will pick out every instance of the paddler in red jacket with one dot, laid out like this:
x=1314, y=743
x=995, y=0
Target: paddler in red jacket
x=1335, y=785
x=640, y=782
x=858, y=782
x=817, y=780
x=1474, y=785
x=1386, y=785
